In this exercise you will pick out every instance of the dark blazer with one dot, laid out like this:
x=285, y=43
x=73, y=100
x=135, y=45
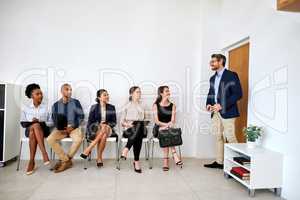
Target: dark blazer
x=95, y=117
x=230, y=91
x=72, y=110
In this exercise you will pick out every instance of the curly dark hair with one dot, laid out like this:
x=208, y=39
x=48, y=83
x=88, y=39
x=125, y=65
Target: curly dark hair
x=30, y=88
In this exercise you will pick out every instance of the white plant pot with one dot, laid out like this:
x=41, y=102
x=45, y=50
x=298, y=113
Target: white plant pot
x=251, y=145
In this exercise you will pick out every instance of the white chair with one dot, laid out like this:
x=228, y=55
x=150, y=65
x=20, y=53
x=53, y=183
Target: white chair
x=26, y=140
x=111, y=140
x=67, y=140
x=145, y=142
x=154, y=140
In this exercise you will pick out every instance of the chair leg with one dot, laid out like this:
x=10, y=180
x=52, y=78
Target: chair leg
x=152, y=154
x=90, y=155
x=85, y=164
x=179, y=149
x=180, y=157
x=146, y=158
x=117, y=156
x=19, y=157
x=148, y=150
x=149, y=147
x=120, y=148
x=51, y=152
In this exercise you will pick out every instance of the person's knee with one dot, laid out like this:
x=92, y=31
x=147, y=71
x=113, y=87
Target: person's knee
x=31, y=135
x=78, y=139
x=36, y=126
x=104, y=135
x=51, y=140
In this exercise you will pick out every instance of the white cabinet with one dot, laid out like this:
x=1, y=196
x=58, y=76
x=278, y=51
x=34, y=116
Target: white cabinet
x=266, y=167
x=9, y=122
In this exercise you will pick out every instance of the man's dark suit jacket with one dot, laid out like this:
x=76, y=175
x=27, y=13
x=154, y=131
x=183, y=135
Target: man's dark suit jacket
x=230, y=91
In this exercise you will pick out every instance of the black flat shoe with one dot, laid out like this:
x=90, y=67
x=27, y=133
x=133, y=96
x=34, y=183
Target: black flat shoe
x=99, y=164
x=83, y=156
x=214, y=165
x=137, y=170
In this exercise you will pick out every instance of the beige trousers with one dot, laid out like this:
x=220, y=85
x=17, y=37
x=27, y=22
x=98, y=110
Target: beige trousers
x=224, y=129
x=56, y=136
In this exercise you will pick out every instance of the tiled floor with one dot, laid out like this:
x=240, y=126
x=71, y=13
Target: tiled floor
x=193, y=182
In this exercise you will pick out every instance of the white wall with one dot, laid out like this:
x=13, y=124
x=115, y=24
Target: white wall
x=274, y=75
x=150, y=43
x=147, y=43
x=210, y=44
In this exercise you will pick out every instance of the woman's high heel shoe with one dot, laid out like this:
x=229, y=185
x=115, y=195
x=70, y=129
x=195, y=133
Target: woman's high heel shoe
x=83, y=156
x=179, y=163
x=123, y=157
x=99, y=164
x=47, y=163
x=137, y=170
x=29, y=172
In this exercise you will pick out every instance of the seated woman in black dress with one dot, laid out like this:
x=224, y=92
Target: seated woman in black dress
x=165, y=116
x=102, y=119
x=34, y=118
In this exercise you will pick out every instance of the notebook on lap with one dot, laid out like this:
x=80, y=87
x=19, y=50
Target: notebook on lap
x=61, y=122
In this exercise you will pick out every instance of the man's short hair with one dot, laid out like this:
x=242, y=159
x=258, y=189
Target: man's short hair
x=220, y=57
x=65, y=85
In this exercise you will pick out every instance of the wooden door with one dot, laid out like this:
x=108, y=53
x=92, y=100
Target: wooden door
x=239, y=63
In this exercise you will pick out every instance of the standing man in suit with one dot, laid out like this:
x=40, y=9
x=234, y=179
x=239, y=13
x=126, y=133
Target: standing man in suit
x=224, y=92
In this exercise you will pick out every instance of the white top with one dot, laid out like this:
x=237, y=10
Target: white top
x=41, y=113
x=134, y=111
x=103, y=113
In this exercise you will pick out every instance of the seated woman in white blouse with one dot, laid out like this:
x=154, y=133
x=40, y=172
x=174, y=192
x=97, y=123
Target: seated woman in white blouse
x=132, y=121
x=34, y=118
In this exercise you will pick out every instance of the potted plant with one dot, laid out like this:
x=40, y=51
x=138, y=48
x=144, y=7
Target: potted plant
x=252, y=133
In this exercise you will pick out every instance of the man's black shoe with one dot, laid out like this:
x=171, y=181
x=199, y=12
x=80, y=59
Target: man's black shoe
x=214, y=165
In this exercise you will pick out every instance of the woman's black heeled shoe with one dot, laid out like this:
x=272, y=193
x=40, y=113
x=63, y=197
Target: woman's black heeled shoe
x=137, y=170
x=99, y=164
x=83, y=156
x=123, y=158
x=179, y=163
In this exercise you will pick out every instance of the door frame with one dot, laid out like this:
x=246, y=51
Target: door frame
x=233, y=46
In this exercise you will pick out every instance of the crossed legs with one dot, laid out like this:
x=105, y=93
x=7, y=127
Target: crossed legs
x=100, y=140
x=36, y=138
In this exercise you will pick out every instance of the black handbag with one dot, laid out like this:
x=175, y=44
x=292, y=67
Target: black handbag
x=170, y=137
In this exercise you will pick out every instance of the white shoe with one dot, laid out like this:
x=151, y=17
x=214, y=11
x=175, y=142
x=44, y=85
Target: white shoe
x=47, y=163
